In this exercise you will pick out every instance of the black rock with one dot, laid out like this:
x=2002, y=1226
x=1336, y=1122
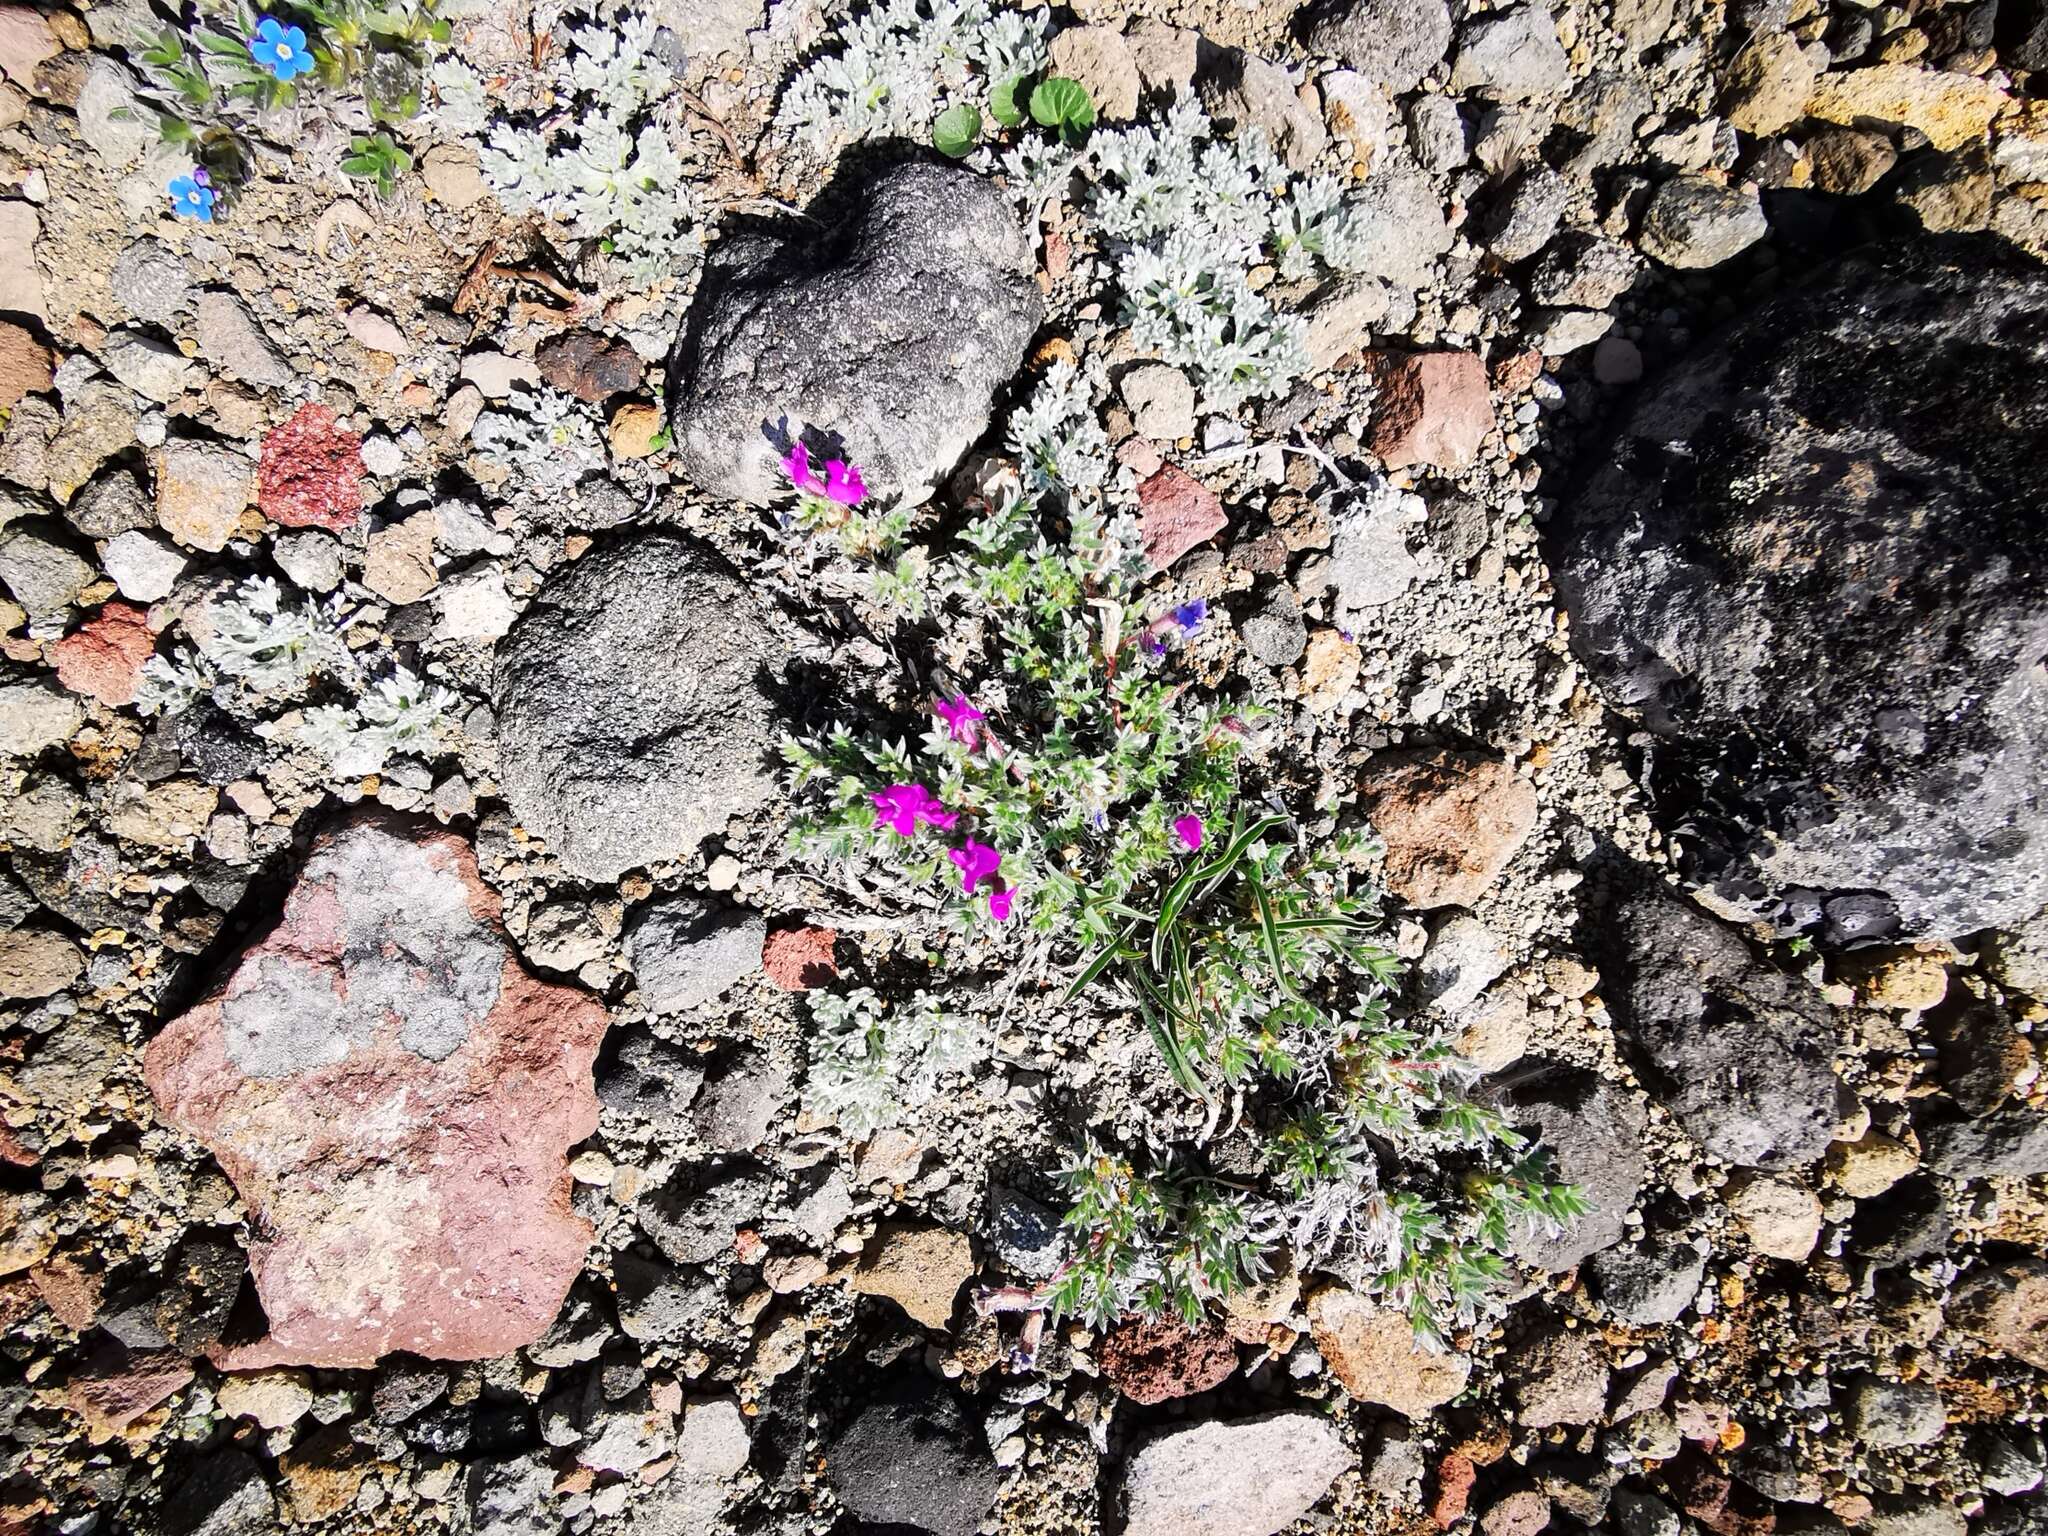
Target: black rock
x=1594, y=1132
x=2022, y=31
x=1814, y=564
x=1906, y=1223
x=1649, y=1283
x=444, y=1430
x=651, y=1080
x=223, y=1495
x=404, y=1387
x=1743, y=1051
x=2009, y=1143
x=912, y=1458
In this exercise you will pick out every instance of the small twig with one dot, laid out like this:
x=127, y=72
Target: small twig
x=471, y=291
x=543, y=280
x=701, y=113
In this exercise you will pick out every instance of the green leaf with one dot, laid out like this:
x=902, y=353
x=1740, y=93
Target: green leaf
x=1063, y=104
x=1002, y=102
x=213, y=42
x=361, y=165
x=956, y=130
x=1102, y=960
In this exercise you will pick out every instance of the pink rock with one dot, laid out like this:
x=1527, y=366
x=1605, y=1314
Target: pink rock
x=395, y=1099
x=1175, y=513
x=1433, y=409
x=115, y=1388
x=103, y=658
x=798, y=959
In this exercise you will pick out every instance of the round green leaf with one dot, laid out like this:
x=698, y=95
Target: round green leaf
x=1002, y=101
x=1063, y=104
x=956, y=130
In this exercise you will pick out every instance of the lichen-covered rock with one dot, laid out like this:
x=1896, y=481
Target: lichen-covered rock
x=1243, y=1477
x=1812, y=566
x=395, y=1098
x=887, y=339
x=634, y=716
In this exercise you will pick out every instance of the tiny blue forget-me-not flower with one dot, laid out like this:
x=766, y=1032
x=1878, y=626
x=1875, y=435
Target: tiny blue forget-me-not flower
x=280, y=49
x=191, y=196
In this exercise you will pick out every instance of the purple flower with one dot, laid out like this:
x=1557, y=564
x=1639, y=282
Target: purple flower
x=999, y=903
x=1189, y=616
x=1189, y=830
x=960, y=716
x=842, y=482
x=280, y=49
x=976, y=861
x=797, y=465
x=901, y=807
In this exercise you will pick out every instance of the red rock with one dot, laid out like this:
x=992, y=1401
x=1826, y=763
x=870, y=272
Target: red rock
x=103, y=658
x=589, y=366
x=1525, y=1512
x=68, y=1291
x=1150, y=1361
x=395, y=1099
x=24, y=365
x=310, y=472
x=1454, y=1478
x=1450, y=821
x=1432, y=409
x=1175, y=513
x=1517, y=371
x=117, y=1388
x=15, y=1151
x=798, y=959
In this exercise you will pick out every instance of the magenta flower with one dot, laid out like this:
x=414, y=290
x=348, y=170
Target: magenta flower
x=901, y=807
x=999, y=903
x=1189, y=831
x=842, y=482
x=960, y=717
x=976, y=861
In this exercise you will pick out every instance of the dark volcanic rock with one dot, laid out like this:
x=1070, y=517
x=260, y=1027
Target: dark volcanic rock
x=1816, y=563
x=1594, y=1132
x=634, y=708
x=885, y=342
x=1743, y=1051
x=911, y=1458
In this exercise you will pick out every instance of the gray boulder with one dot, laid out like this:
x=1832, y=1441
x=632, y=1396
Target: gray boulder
x=1812, y=564
x=1511, y=55
x=1652, y=1283
x=885, y=341
x=911, y=1458
x=1594, y=1134
x=686, y=952
x=1693, y=222
x=1743, y=1050
x=2006, y=1144
x=1393, y=43
x=634, y=717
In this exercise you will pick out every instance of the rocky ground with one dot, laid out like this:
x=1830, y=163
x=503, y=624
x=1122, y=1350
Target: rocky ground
x=410, y=1109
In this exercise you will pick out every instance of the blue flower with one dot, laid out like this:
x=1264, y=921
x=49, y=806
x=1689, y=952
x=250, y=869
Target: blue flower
x=280, y=49
x=1189, y=616
x=191, y=197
